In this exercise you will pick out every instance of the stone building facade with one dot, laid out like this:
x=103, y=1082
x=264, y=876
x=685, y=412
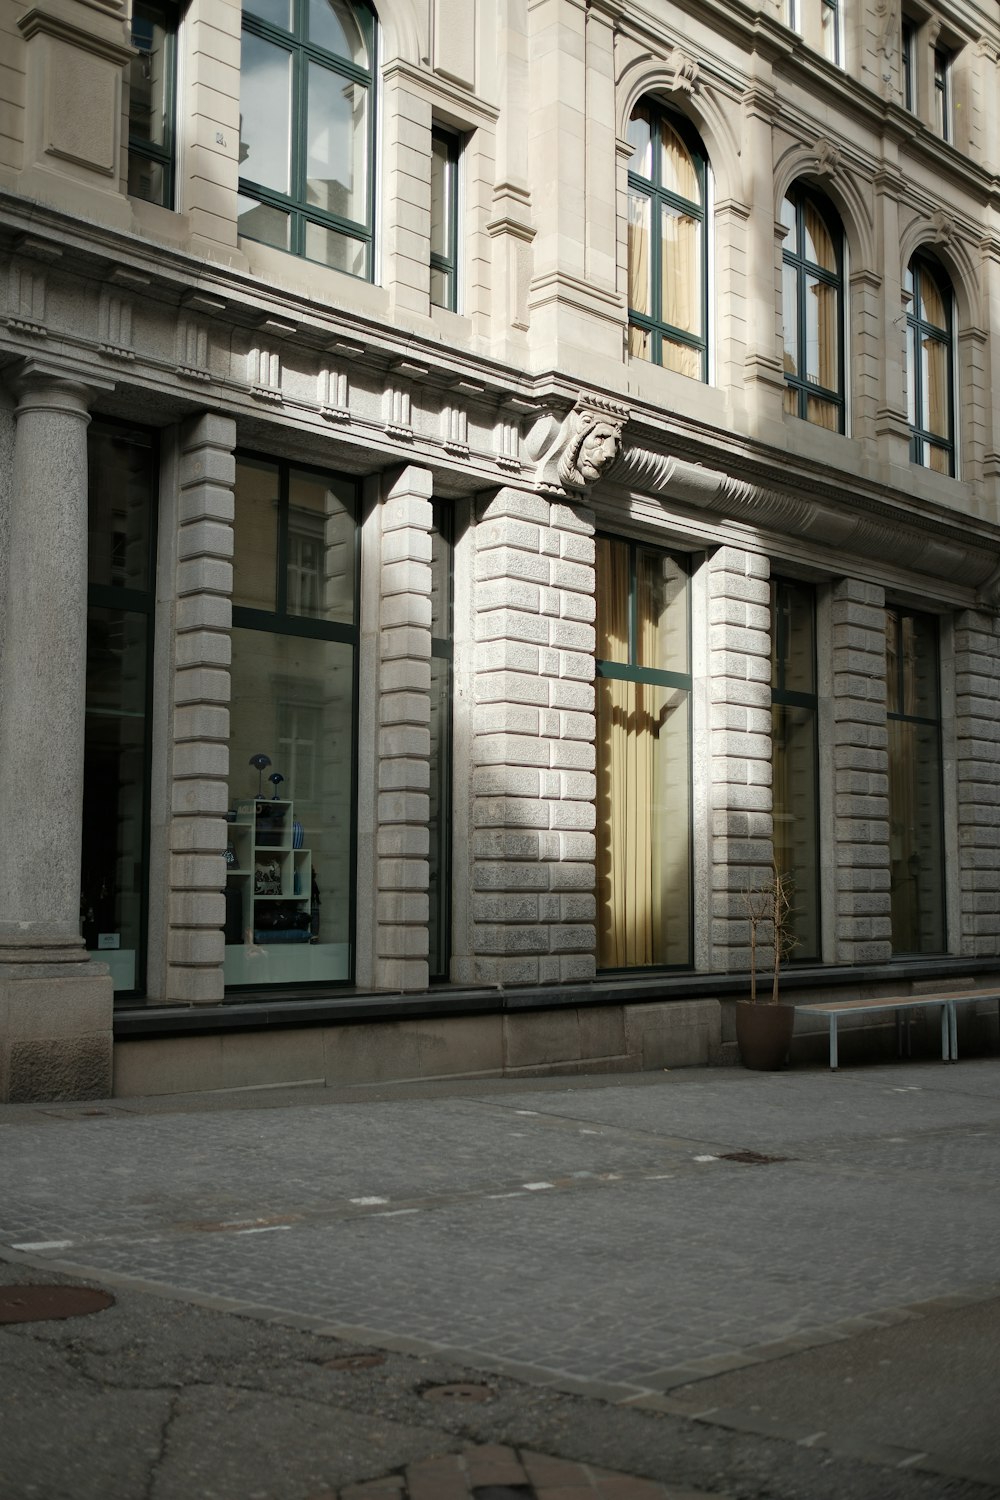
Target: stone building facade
x=482, y=481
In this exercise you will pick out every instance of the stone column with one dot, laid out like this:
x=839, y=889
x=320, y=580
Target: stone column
x=977, y=734
x=533, y=731
x=861, y=774
x=55, y=1005
x=739, y=664
x=403, y=803
x=200, y=709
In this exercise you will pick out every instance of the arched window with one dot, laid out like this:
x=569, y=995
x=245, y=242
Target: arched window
x=930, y=394
x=812, y=303
x=307, y=117
x=667, y=242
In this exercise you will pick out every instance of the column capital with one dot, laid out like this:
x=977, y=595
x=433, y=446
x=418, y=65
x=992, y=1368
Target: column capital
x=43, y=383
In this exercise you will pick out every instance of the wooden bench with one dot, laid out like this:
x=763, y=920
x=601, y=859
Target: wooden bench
x=947, y=1002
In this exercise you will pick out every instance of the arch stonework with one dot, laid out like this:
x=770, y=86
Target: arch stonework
x=700, y=101
x=827, y=174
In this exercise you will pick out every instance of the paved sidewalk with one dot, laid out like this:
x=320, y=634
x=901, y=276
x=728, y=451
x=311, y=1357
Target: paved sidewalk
x=626, y=1246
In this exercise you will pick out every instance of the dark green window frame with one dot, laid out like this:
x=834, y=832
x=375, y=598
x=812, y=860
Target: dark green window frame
x=146, y=14
x=661, y=198
x=804, y=268
x=896, y=714
x=280, y=621
x=922, y=438
x=140, y=602
x=782, y=697
x=446, y=146
x=657, y=677
x=302, y=52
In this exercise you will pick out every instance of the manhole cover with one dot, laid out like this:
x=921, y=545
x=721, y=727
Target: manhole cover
x=41, y=1304
x=752, y=1158
x=457, y=1393
x=354, y=1362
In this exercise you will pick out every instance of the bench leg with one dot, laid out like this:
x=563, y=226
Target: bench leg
x=945, y=1034
x=833, y=1044
x=953, y=1030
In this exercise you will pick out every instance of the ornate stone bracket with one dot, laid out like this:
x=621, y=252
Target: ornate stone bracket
x=576, y=453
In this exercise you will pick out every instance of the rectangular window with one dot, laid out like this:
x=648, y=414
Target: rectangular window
x=122, y=467
x=916, y=849
x=444, y=219
x=794, y=749
x=643, y=757
x=291, y=834
x=908, y=58
x=829, y=19
x=942, y=93
x=151, y=103
x=439, y=889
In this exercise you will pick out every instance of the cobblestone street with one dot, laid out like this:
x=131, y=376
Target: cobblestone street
x=624, y=1240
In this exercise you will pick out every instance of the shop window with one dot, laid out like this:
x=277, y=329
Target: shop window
x=439, y=888
x=152, y=103
x=667, y=242
x=290, y=887
x=929, y=365
x=794, y=749
x=444, y=219
x=307, y=123
x=122, y=473
x=812, y=304
x=643, y=757
x=916, y=849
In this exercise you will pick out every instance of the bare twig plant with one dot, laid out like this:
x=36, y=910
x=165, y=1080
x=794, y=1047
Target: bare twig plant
x=768, y=904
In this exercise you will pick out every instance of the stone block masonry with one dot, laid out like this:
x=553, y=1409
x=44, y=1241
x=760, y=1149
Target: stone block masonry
x=532, y=908
x=977, y=736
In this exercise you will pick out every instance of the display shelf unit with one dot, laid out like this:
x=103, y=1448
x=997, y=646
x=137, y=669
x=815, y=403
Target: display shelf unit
x=272, y=876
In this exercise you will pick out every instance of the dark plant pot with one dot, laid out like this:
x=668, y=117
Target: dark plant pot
x=764, y=1034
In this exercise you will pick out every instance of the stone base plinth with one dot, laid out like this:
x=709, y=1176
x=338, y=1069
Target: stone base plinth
x=55, y=1031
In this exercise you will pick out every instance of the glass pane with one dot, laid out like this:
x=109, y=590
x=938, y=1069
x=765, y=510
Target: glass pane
x=681, y=358
x=256, y=534
x=919, y=666
x=442, y=294
x=338, y=251
x=793, y=638
x=643, y=825
x=640, y=138
x=933, y=306
x=440, y=586
x=892, y=674
x=790, y=317
x=149, y=79
x=911, y=374
x=321, y=551
x=915, y=848
x=678, y=170
x=822, y=334
x=147, y=180
x=265, y=113
x=439, y=890
x=661, y=612
x=640, y=343
x=612, y=586
x=828, y=22
x=640, y=282
x=442, y=227
x=122, y=489
x=796, y=831
x=290, y=857
x=820, y=247
x=934, y=373
x=789, y=219
x=337, y=148
x=278, y=12
x=823, y=413
x=333, y=24
x=114, y=779
x=259, y=221
x=938, y=459
x=681, y=267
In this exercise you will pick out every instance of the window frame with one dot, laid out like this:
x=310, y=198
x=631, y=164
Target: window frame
x=447, y=263
x=280, y=621
x=165, y=156
x=832, y=9
x=942, y=94
x=302, y=52
x=908, y=62
x=799, y=194
x=782, y=697
x=659, y=198
x=922, y=437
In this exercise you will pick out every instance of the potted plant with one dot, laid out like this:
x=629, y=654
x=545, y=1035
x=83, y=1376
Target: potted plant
x=764, y=1025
